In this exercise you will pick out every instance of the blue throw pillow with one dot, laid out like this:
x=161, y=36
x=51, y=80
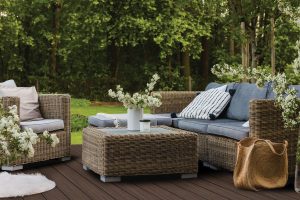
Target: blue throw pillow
x=239, y=105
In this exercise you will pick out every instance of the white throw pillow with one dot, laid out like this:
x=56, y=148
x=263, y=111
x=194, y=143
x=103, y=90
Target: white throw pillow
x=29, y=101
x=8, y=83
x=207, y=105
x=246, y=124
x=221, y=88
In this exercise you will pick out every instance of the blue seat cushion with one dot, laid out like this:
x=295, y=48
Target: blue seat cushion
x=233, y=130
x=41, y=125
x=197, y=125
x=239, y=105
x=108, y=121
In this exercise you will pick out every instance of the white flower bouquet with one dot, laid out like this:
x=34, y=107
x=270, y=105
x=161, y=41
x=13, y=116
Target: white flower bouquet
x=148, y=98
x=15, y=142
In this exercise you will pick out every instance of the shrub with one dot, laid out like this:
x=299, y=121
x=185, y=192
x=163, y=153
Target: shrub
x=78, y=122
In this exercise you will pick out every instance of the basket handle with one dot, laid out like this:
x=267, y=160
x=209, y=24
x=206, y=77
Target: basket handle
x=271, y=146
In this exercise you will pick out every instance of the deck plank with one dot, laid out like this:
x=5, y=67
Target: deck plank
x=83, y=184
x=69, y=189
x=35, y=197
x=110, y=188
x=75, y=183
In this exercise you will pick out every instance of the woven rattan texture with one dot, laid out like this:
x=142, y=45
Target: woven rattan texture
x=266, y=123
x=174, y=101
x=51, y=106
x=174, y=152
x=221, y=152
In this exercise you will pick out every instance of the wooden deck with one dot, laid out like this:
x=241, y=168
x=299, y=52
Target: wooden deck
x=75, y=183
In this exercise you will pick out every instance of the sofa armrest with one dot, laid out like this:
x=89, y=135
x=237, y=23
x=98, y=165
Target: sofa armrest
x=266, y=123
x=56, y=106
x=174, y=101
x=10, y=101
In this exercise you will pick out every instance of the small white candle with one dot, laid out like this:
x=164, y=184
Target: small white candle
x=145, y=125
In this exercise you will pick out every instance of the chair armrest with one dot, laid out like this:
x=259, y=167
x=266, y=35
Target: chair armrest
x=174, y=101
x=56, y=106
x=10, y=101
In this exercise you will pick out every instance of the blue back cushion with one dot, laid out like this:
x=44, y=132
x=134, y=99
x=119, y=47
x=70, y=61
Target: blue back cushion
x=213, y=85
x=297, y=87
x=271, y=95
x=239, y=105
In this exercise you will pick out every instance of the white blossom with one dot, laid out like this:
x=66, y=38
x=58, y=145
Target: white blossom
x=15, y=142
x=138, y=100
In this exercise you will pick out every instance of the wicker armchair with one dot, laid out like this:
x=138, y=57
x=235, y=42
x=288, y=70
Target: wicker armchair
x=52, y=106
x=265, y=122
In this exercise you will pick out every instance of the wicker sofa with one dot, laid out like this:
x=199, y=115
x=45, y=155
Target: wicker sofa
x=220, y=151
x=52, y=106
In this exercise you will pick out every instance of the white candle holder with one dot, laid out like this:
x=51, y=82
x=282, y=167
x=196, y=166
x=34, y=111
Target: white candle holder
x=145, y=125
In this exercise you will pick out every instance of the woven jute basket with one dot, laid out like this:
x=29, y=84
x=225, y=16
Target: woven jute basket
x=260, y=164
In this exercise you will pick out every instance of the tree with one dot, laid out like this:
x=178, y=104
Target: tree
x=182, y=25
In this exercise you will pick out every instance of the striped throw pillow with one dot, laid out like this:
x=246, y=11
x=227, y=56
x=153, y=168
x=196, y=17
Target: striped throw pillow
x=207, y=105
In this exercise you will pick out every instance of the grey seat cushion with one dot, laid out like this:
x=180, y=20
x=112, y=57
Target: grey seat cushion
x=198, y=125
x=8, y=83
x=239, y=105
x=233, y=130
x=108, y=120
x=39, y=126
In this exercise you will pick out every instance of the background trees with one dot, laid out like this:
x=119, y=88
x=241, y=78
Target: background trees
x=86, y=47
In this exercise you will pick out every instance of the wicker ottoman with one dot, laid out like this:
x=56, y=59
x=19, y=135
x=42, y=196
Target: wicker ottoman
x=116, y=152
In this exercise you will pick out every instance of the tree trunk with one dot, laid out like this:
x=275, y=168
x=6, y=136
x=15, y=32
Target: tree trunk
x=187, y=70
x=273, y=46
x=205, y=60
x=231, y=47
x=245, y=51
x=169, y=63
x=55, y=28
x=114, y=60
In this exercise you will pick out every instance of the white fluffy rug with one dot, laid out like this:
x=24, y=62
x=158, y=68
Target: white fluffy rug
x=13, y=185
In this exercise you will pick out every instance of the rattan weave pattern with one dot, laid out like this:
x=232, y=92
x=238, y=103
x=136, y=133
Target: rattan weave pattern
x=174, y=101
x=266, y=123
x=51, y=106
x=174, y=152
x=221, y=152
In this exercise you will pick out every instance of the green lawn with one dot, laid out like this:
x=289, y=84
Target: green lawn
x=76, y=137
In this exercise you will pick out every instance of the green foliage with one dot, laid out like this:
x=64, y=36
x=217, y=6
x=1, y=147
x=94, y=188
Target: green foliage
x=78, y=122
x=101, y=43
x=80, y=103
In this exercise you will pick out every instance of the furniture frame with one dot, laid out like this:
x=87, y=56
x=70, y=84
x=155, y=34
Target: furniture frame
x=265, y=122
x=113, y=155
x=52, y=106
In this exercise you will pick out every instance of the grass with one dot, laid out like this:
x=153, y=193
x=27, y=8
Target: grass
x=86, y=109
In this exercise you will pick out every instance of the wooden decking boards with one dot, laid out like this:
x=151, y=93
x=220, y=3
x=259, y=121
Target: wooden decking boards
x=75, y=183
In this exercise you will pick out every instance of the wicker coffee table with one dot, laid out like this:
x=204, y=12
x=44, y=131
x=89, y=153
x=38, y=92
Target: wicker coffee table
x=116, y=152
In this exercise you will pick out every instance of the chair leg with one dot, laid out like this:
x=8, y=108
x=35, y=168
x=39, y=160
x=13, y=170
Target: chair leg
x=86, y=168
x=64, y=159
x=12, y=168
x=110, y=179
x=186, y=176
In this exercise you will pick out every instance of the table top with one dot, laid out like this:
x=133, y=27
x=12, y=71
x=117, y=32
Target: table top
x=124, y=131
x=159, y=131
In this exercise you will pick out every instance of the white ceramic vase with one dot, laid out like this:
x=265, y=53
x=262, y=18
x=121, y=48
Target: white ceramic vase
x=134, y=115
